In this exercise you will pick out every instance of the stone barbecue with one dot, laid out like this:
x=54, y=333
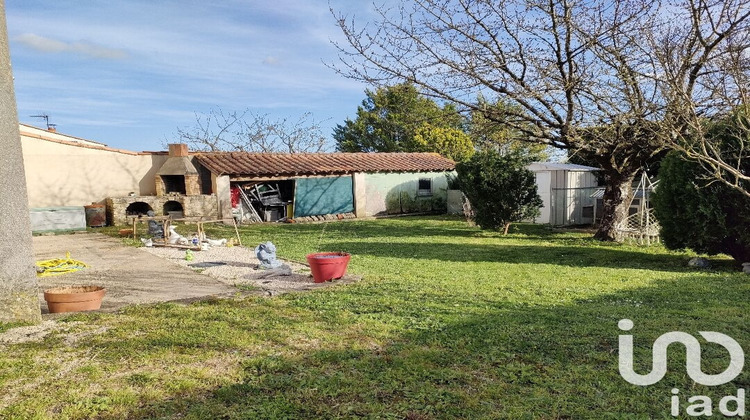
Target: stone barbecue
x=178, y=193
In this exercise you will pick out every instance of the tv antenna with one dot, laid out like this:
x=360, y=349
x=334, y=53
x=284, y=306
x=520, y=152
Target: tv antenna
x=46, y=120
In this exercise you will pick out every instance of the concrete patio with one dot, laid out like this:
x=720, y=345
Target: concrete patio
x=130, y=275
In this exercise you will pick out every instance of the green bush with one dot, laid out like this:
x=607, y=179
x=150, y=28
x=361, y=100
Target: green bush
x=439, y=204
x=694, y=213
x=408, y=203
x=500, y=189
x=398, y=202
x=393, y=202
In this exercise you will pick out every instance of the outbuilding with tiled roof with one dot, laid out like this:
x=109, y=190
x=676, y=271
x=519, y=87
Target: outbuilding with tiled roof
x=64, y=171
x=279, y=185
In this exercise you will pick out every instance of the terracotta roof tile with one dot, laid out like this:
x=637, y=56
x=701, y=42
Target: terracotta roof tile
x=300, y=164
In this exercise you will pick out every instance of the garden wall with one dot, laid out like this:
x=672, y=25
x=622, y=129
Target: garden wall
x=69, y=175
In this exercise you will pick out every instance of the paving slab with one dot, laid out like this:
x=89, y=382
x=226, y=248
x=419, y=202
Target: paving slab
x=130, y=275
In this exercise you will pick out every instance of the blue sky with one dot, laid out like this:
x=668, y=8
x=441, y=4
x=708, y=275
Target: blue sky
x=129, y=73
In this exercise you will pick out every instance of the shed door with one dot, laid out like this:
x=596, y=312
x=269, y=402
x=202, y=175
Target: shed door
x=318, y=196
x=544, y=189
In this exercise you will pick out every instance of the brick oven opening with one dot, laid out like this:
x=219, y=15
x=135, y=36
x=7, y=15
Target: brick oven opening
x=174, y=184
x=174, y=209
x=139, y=208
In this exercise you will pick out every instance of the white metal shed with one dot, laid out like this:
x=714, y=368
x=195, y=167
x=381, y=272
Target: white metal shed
x=565, y=189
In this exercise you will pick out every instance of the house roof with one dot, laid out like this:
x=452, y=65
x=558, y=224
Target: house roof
x=300, y=164
x=40, y=133
x=555, y=166
x=31, y=132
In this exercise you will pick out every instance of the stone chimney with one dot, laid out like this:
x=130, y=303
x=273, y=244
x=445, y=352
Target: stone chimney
x=178, y=150
x=178, y=174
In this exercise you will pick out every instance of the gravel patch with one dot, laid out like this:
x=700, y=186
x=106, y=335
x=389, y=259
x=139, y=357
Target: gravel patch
x=238, y=266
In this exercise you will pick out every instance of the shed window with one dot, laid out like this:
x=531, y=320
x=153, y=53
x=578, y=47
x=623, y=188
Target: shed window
x=424, y=187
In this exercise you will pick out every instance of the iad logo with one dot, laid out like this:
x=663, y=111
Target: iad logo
x=702, y=405
x=693, y=365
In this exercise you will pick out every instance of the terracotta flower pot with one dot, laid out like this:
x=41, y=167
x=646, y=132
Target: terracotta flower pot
x=328, y=265
x=74, y=298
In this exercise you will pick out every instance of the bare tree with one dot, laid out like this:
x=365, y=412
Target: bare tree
x=249, y=132
x=725, y=160
x=579, y=75
x=705, y=78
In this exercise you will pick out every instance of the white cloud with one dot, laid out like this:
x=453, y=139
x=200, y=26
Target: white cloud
x=49, y=45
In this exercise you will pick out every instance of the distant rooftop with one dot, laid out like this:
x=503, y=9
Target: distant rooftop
x=555, y=166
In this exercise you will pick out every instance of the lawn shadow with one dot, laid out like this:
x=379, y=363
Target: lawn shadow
x=495, y=359
x=559, y=247
x=564, y=255
x=419, y=226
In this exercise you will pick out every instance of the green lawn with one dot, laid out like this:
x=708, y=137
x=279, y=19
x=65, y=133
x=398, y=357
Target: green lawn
x=448, y=322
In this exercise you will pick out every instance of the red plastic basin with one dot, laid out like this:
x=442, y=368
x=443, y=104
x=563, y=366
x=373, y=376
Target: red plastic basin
x=328, y=265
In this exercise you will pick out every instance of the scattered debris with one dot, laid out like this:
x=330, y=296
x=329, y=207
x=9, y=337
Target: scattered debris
x=155, y=229
x=177, y=239
x=215, y=242
x=283, y=270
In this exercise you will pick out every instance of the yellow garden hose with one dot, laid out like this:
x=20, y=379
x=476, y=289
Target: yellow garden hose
x=58, y=266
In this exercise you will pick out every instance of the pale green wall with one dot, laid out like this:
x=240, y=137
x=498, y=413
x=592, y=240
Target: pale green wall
x=380, y=186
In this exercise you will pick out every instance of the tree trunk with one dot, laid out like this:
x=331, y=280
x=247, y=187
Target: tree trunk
x=19, y=294
x=617, y=195
x=736, y=249
x=505, y=229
